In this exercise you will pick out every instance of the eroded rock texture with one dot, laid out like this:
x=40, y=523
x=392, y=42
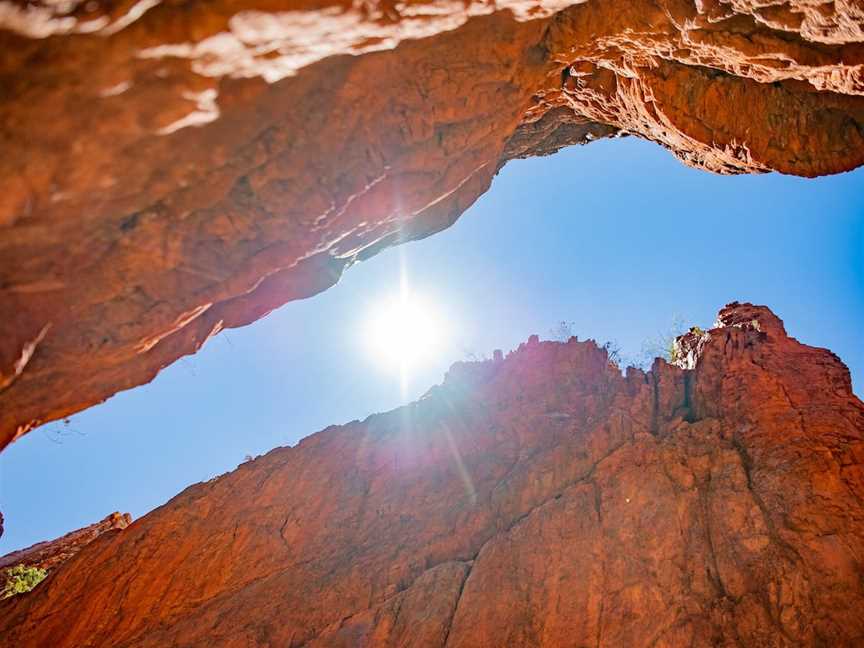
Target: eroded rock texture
x=52, y=553
x=542, y=499
x=170, y=169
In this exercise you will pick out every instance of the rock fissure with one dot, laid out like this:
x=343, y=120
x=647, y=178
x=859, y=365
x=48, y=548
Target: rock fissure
x=458, y=600
x=747, y=465
x=713, y=568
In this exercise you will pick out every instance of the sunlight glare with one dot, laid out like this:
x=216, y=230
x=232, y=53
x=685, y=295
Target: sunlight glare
x=405, y=331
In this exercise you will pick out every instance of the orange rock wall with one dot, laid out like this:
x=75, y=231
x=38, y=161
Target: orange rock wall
x=540, y=500
x=171, y=169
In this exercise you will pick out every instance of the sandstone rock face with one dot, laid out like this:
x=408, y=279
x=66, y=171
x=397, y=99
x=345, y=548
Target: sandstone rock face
x=542, y=499
x=53, y=553
x=171, y=169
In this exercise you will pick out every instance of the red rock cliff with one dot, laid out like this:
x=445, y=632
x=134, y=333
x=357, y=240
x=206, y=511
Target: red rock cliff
x=170, y=169
x=540, y=500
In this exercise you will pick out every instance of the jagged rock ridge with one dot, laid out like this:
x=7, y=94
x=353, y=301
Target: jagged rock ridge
x=172, y=169
x=51, y=554
x=542, y=499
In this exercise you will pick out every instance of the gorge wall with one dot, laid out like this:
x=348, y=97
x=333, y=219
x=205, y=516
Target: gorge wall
x=171, y=169
x=542, y=499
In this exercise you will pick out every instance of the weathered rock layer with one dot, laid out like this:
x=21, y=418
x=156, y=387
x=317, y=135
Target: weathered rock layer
x=170, y=169
x=539, y=500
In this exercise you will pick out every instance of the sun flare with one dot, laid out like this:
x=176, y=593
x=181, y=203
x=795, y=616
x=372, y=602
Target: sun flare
x=405, y=331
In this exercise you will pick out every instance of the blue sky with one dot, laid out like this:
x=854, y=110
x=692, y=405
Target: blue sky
x=617, y=237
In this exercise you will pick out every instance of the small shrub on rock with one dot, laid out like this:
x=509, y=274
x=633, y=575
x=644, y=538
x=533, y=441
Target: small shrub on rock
x=21, y=579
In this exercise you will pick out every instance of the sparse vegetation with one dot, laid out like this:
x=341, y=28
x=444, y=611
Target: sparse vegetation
x=661, y=346
x=613, y=352
x=671, y=351
x=562, y=331
x=470, y=355
x=21, y=579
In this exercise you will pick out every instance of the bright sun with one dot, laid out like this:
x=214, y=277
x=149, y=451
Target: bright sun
x=405, y=331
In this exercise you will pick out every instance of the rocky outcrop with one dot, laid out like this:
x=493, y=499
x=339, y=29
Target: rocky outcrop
x=172, y=169
x=51, y=554
x=542, y=499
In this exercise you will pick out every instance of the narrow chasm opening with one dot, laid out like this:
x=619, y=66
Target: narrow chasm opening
x=616, y=242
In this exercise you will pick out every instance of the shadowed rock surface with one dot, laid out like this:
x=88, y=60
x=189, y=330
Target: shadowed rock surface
x=542, y=499
x=171, y=169
x=52, y=553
